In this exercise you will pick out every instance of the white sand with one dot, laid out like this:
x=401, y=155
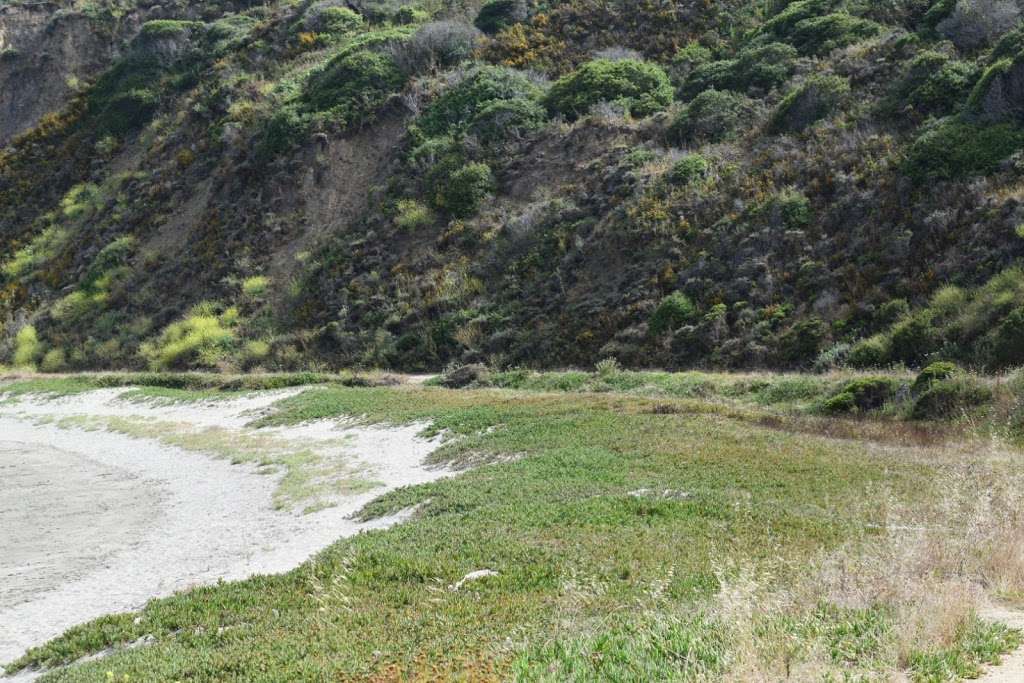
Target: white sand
x=93, y=522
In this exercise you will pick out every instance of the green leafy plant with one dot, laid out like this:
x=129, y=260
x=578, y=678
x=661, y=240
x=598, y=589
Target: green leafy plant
x=642, y=88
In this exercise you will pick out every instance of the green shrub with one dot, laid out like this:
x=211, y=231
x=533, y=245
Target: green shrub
x=938, y=12
x=712, y=116
x=502, y=121
x=409, y=15
x=785, y=21
x=936, y=372
x=339, y=20
x=641, y=87
x=1007, y=345
x=500, y=14
x=411, y=215
x=934, y=83
x=821, y=35
x=952, y=148
x=43, y=248
x=802, y=341
x=688, y=169
x=463, y=103
x=755, y=68
x=913, y=339
x=124, y=98
x=466, y=188
x=55, y=360
x=353, y=86
x=674, y=311
x=816, y=99
x=256, y=286
x=27, y=347
x=950, y=397
x=202, y=339
x=285, y=129
x=873, y=352
x=868, y=393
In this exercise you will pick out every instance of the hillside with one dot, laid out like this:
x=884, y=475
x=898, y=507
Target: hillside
x=293, y=185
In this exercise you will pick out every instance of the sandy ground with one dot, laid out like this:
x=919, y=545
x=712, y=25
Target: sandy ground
x=93, y=522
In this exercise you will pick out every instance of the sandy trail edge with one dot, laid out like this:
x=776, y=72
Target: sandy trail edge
x=1011, y=668
x=161, y=519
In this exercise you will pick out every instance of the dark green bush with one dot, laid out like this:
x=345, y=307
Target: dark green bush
x=500, y=14
x=913, y=339
x=462, y=103
x=673, y=312
x=503, y=120
x=868, y=393
x=124, y=99
x=936, y=372
x=1008, y=341
x=816, y=99
x=952, y=148
x=950, y=397
x=466, y=188
x=758, y=68
x=285, y=129
x=937, y=13
x=353, y=86
x=712, y=116
x=872, y=352
x=802, y=342
x=821, y=35
x=688, y=169
x=641, y=87
x=934, y=83
x=786, y=20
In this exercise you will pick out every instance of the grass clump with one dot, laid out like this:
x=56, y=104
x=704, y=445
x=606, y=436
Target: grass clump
x=27, y=347
x=412, y=215
x=203, y=339
x=640, y=87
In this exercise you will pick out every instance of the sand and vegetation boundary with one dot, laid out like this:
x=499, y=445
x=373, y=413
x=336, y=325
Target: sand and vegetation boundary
x=607, y=525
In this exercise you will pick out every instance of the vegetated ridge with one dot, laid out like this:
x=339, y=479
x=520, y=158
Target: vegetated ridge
x=288, y=185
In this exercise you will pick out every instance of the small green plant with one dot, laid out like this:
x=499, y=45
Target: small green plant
x=674, y=311
x=412, y=215
x=465, y=190
x=27, y=347
x=202, y=339
x=936, y=372
x=712, y=116
x=55, y=360
x=873, y=352
x=256, y=286
x=815, y=99
x=688, y=169
x=608, y=368
x=865, y=394
x=641, y=87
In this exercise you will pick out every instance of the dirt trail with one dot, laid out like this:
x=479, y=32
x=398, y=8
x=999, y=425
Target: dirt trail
x=1011, y=669
x=94, y=522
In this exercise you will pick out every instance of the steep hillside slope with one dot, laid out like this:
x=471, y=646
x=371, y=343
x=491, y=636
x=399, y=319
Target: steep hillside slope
x=329, y=183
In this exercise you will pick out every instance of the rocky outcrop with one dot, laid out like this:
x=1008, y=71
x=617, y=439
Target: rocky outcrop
x=45, y=53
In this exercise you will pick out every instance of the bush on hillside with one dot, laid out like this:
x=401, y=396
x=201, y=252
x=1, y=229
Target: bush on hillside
x=973, y=24
x=673, y=312
x=952, y=148
x=203, y=339
x=465, y=190
x=868, y=393
x=712, y=116
x=483, y=86
x=1007, y=341
x=688, y=169
x=641, y=88
x=936, y=372
x=503, y=121
x=353, y=86
x=816, y=99
x=411, y=215
x=27, y=347
x=913, y=339
x=934, y=83
x=872, y=352
x=330, y=17
x=821, y=35
x=436, y=45
x=499, y=14
x=759, y=68
x=949, y=398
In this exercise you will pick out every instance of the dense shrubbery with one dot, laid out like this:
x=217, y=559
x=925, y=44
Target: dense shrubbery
x=641, y=88
x=202, y=339
x=482, y=87
x=674, y=311
x=688, y=169
x=953, y=148
x=755, y=69
x=869, y=393
x=353, y=86
x=465, y=189
x=499, y=14
x=934, y=83
x=712, y=116
x=815, y=99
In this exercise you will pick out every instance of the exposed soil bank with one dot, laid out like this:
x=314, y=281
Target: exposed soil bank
x=94, y=522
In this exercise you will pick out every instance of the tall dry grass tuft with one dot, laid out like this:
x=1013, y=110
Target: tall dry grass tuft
x=927, y=573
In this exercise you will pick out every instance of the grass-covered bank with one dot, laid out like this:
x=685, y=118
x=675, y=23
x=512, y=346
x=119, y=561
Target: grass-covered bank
x=633, y=538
